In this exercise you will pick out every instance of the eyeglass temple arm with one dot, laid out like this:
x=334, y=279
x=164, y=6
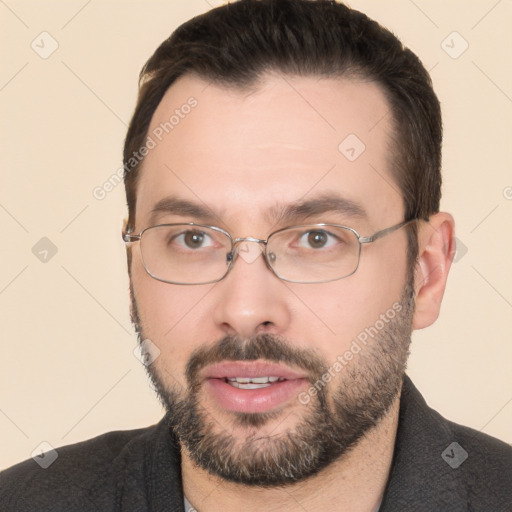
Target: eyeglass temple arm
x=384, y=232
x=129, y=237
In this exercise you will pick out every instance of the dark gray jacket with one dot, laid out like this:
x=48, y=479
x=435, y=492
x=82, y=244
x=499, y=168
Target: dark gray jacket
x=438, y=466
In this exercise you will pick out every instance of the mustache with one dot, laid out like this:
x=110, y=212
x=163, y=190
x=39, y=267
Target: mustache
x=264, y=346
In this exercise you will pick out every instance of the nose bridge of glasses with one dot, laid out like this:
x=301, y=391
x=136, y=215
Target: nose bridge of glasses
x=248, y=248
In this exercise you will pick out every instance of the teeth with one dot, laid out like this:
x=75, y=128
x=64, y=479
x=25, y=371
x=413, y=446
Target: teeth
x=254, y=380
x=240, y=380
x=249, y=385
x=260, y=380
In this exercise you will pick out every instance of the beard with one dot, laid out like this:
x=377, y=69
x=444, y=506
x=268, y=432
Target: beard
x=327, y=428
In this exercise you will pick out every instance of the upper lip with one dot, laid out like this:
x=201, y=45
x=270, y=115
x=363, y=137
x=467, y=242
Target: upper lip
x=250, y=369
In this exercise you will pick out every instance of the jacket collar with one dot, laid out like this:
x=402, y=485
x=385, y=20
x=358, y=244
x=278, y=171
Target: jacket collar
x=420, y=478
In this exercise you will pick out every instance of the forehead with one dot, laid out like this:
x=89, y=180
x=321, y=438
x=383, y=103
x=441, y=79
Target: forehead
x=243, y=152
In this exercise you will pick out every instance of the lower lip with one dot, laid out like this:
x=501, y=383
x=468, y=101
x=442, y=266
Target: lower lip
x=253, y=400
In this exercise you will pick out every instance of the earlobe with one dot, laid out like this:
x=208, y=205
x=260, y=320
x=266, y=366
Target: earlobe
x=436, y=249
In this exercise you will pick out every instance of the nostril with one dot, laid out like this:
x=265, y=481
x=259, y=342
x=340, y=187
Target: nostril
x=266, y=327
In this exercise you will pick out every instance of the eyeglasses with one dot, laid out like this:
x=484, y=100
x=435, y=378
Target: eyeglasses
x=200, y=254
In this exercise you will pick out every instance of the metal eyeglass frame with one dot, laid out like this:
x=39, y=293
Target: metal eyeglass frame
x=130, y=238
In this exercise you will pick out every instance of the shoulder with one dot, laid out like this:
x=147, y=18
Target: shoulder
x=82, y=477
x=439, y=462
x=484, y=462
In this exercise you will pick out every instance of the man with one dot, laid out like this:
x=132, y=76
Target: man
x=284, y=239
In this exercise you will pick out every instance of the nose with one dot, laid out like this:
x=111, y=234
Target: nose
x=251, y=300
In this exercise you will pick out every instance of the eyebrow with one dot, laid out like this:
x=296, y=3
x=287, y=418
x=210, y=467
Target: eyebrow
x=327, y=203
x=183, y=208
x=295, y=212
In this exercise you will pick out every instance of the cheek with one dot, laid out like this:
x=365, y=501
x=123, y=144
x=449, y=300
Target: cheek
x=171, y=315
x=344, y=308
x=382, y=276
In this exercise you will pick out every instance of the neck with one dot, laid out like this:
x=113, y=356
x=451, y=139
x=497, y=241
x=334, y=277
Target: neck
x=354, y=483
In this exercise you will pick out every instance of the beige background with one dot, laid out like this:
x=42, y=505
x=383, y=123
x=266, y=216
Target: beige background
x=68, y=371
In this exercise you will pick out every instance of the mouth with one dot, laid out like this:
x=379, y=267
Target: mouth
x=252, y=386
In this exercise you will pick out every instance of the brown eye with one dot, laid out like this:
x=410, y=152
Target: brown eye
x=193, y=239
x=317, y=239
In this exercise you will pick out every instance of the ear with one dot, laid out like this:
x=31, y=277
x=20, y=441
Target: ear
x=436, y=249
x=127, y=246
x=124, y=229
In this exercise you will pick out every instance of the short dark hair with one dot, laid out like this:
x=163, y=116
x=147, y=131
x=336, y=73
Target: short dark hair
x=234, y=45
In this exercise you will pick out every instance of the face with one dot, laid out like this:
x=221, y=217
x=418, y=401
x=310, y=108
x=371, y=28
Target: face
x=252, y=163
